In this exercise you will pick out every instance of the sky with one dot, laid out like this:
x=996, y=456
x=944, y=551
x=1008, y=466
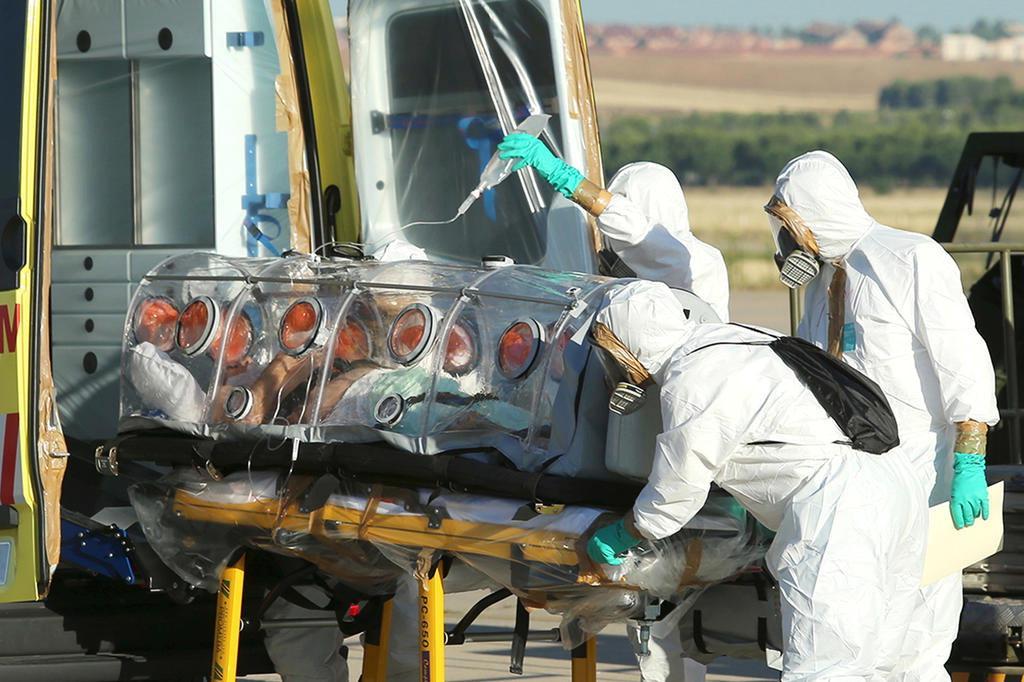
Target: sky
x=943, y=14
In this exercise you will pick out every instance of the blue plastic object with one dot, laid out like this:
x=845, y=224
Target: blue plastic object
x=104, y=551
x=253, y=202
x=245, y=39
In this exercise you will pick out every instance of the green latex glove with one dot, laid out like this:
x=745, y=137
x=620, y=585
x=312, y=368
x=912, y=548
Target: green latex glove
x=969, y=498
x=610, y=541
x=532, y=152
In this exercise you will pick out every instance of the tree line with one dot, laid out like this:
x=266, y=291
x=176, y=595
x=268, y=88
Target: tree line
x=910, y=140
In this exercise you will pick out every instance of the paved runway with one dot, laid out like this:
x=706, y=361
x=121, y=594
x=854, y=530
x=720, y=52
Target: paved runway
x=547, y=662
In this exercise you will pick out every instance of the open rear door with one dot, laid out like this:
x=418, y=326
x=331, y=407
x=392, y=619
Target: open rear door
x=32, y=451
x=436, y=84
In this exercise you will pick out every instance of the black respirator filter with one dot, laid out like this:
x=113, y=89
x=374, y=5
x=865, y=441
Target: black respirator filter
x=796, y=266
x=627, y=398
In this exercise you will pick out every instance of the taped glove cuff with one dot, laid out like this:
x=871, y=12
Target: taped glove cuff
x=964, y=462
x=971, y=437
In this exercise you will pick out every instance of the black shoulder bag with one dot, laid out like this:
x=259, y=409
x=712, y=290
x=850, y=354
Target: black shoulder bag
x=855, y=402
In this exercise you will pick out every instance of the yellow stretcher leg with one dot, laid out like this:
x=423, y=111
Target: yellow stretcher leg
x=228, y=626
x=584, y=662
x=375, y=647
x=432, y=629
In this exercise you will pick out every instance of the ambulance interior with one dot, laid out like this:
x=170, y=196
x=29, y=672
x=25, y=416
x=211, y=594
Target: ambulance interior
x=176, y=133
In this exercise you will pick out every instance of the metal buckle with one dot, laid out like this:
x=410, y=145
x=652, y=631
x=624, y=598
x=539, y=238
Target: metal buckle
x=106, y=460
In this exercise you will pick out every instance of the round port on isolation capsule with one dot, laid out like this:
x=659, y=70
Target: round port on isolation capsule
x=389, y=410
x=238, y=404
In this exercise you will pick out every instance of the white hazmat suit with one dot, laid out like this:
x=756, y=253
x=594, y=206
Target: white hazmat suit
x=647, y=224
x=908, y=327
x=849, y=546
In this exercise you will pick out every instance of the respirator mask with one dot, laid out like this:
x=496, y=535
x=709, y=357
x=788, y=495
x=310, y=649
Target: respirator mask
x=797, y=266
x=626, y=397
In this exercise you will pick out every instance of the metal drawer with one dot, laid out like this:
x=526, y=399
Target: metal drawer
x=70, y=329
x=85, y=265
x=91, y=298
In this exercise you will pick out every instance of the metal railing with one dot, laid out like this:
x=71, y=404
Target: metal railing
x=1012, y=412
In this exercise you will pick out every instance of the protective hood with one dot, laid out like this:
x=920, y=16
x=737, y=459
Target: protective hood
x=649, y=320
x=819, y=188
x=656, y=191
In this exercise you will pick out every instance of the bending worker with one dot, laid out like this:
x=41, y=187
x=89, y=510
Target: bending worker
x=642, y=215
x=890, y=303
x=849, y=546
x=645, y=221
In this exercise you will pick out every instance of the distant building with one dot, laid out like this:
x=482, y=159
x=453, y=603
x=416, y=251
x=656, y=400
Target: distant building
x=881, y=37
x=664, y=38
x=821, y=33
x=1009, y=49
x=967, y=47
x=849, y=39
x=872, y=29
x=619, y=38
x=895, y=38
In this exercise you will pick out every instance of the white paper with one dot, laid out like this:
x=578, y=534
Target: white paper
x=950, y=550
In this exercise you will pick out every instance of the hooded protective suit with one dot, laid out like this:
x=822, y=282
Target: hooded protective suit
x=906, y=325
x=849, y=546
x=647, y=224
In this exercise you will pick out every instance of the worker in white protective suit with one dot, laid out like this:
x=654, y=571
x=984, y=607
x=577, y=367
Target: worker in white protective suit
x=645, y=221
x=642, y=215
x=849, y=547
x=890, y=303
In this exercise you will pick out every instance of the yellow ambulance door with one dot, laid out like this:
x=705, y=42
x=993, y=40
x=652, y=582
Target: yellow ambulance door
x=32, y=452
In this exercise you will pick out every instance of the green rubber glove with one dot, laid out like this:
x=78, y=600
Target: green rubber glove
x=532, y=152
x=969, y=498
x=610, y=541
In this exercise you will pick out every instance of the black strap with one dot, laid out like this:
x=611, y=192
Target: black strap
x=698, y=632
x=760, y=584
x=318, y=493
x=519, y=636
x=766, y=344
x=531, y=484
x=440, y=464
x=754, y=329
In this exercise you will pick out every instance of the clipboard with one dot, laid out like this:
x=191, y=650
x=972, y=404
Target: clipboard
x=950, y=550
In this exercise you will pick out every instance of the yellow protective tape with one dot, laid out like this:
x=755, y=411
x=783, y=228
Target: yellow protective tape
x=971, y=437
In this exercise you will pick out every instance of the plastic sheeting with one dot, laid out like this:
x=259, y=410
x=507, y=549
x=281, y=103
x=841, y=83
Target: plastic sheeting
x=289, y=120
x=581, y=97
x=206, y=351
x=366, y=536
x=460, y=75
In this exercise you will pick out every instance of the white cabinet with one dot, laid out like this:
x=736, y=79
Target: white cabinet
x=89, y=29
x=158, y=28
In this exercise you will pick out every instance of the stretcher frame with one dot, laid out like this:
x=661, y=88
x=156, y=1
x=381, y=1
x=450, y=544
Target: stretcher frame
x=332, y=523
x=433, y=637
